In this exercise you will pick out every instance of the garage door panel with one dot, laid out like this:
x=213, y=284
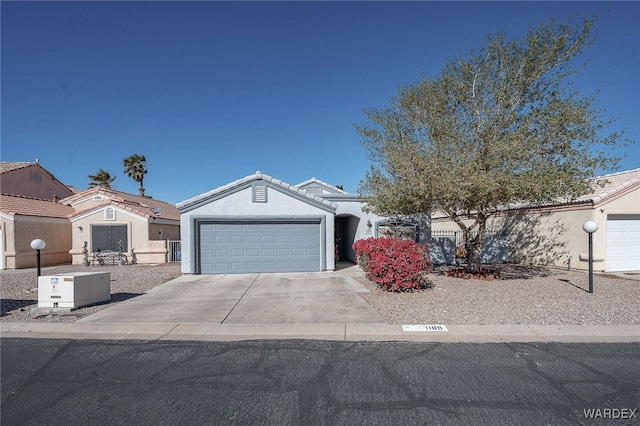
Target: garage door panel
x=623, y=243
x=259, y=247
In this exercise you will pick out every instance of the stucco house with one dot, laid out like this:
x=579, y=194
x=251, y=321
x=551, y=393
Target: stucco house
x=22, y=220
x=35, y=204
x=261, y=224
x=30, y=179
x=29, y=210
x=552, y=233
x=107, y=220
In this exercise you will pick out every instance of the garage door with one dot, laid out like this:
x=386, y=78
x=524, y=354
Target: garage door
x=259, y=247
x=623, y=243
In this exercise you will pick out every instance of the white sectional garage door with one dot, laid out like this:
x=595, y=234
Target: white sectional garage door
x=240, y=247
x=623, y=243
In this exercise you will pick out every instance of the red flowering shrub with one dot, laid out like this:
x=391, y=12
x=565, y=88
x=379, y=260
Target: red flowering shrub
x=394, y=264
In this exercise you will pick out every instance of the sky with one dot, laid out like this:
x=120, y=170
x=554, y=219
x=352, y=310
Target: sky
x=211, y=92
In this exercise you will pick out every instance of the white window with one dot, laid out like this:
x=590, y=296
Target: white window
x=109, y=213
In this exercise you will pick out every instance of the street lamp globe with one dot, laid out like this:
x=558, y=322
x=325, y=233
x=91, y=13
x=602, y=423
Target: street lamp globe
x=590, y=227
x=38, y=244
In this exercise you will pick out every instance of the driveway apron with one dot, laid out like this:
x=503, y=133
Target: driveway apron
x=260, y=298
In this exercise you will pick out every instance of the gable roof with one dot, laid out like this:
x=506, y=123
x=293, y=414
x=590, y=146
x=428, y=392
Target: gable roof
x=246, y=181
x=315, y=183
x=11, y=166
x=26, y=206
x=7, y=166
x=142, y=206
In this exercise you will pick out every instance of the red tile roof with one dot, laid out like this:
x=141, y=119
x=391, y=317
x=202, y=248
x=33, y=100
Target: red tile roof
x=134, y=203
x=26, y=206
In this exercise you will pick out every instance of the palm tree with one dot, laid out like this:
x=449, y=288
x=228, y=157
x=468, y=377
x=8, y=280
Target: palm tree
x=135, y=168
x=102, y=178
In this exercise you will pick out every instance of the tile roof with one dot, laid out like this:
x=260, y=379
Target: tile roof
x=608, y=186
x=319, y=182
x=256, y=176
x=141, y=206
x=605, y=187
x=7, y=166
x=26, y=206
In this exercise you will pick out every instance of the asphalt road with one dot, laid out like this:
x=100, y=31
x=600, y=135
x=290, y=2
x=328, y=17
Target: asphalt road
x=316, y=383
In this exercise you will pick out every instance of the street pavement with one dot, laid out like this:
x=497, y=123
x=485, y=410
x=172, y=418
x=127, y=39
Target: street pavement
x=319, y=305
x=306, y=382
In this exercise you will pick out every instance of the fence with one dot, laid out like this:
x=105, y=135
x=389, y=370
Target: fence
x=442, y=248
x=174, y=249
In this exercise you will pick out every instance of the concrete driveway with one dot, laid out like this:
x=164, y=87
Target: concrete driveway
x=265, y=298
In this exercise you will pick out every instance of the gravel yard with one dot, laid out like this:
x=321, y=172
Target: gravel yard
x=521, y=296
x=19, y=288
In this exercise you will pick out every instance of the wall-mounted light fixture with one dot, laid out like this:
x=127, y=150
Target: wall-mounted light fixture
x=80, y=229
x=369, y=225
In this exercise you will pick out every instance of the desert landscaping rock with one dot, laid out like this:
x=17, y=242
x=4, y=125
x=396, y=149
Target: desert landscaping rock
x=519, y=296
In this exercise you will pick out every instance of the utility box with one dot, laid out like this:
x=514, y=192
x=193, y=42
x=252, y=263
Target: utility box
x=73, y=290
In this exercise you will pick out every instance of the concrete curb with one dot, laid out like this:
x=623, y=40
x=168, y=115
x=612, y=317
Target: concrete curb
x=336, y=332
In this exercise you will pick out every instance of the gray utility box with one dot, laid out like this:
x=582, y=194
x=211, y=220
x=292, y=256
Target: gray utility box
x=73, y=290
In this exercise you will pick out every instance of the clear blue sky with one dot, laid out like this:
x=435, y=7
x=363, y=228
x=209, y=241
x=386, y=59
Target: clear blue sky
x=212, y=91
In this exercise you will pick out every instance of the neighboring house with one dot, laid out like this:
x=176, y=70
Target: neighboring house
x=109, y=220
x=552, y=233
x=35, y=204
x=31, y=180
x=22, y=220
x=261, y=224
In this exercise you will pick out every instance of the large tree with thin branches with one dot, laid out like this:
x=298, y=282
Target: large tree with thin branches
x=503, y=124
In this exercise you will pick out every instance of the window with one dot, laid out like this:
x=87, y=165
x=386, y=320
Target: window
x=108, y=237
x=36, y=176
x=259, y=193
x=109, y=214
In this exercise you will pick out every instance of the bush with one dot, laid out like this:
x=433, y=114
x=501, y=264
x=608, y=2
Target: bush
x=394, y=264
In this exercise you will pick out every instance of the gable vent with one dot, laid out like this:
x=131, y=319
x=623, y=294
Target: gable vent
x=259, y=193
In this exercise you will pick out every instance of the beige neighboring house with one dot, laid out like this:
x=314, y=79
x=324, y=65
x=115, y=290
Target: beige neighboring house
x=31, y=180
x=24, y=219
x=552, y=234
x=28, y=210
x=34, y=204
x=107, y=219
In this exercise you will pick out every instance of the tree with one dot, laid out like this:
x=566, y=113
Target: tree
x=499, y=126
x=135, y=166
x=101, y=178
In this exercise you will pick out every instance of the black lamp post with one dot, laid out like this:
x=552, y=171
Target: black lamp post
x=590, y=227
x=38, y=245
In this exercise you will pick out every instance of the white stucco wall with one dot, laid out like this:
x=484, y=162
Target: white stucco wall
x=239, y=205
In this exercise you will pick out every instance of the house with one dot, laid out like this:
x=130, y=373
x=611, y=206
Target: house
x=31, y=180
x=22, y=220
x=261, y=224
x=28, y=210
x=110, y=221
x=552, y=234
x=35, y=204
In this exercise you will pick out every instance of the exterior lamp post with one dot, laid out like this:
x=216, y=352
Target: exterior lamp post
x=590, y=227
x=38, y=245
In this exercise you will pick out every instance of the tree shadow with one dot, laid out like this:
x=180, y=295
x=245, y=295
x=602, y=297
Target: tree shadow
x=532, y=238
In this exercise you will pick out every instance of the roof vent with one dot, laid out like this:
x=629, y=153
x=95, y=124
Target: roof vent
x=259, y=193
